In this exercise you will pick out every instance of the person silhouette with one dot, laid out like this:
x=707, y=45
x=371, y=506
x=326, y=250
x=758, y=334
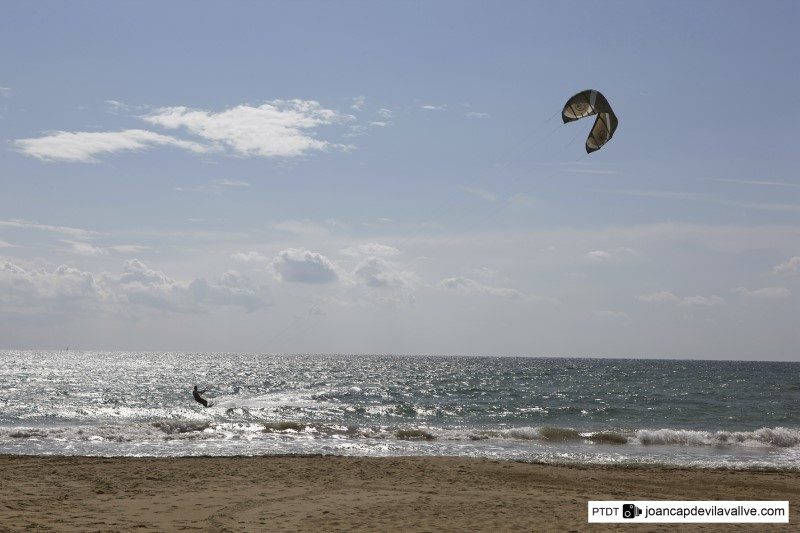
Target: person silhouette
x=199, y=399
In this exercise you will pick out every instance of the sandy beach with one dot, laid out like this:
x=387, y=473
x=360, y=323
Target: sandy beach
x=306, y=493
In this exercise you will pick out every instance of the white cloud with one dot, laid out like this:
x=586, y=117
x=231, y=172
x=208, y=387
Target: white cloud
x=598, y=255
x=662, y=296
x=789, y=266
x=385, y=113
x=475, y=114
x=621, y=316
x=140, y=285
x=376, y=272
x=702, y=301
x=250, y=257
x=115, y=106
x=467, y=286
x=380, y=124
x=431, y=107
x=480, y=193
x=75, y=233
x=36, y=291
x=602, y=256
x=5, y=92
x=357, y=130
x=358, y=103
x=84, y=146
x=687, y=301
x=370, y=248
x=772, y=293
x=84, y=248
x=23, y=289
x=280, y=128
x=303, y=266
x=232, y=289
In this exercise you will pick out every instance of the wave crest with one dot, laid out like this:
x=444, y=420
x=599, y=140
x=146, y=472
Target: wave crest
x=778, y=437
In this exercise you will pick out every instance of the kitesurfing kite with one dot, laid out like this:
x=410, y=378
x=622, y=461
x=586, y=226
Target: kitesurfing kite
x=585, y=104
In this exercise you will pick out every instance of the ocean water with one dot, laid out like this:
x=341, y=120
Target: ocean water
x=591, y=411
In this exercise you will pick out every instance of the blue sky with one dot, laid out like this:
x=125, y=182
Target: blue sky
x=394, y=178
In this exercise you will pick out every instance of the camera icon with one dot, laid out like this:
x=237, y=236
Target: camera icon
x=630, y=511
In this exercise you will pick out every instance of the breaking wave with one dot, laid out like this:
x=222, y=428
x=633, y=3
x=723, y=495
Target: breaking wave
x=778, y=437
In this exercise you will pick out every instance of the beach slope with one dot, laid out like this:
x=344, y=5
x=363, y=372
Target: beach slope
x=291, y=493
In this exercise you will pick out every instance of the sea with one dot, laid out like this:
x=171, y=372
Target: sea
x=696, y=414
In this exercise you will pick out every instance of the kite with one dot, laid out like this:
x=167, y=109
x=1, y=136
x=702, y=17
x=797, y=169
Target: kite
x=588, y=103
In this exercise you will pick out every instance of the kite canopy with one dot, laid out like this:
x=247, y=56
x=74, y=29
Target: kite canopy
x=585, y=104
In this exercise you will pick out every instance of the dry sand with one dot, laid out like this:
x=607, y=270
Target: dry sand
x=292, y=493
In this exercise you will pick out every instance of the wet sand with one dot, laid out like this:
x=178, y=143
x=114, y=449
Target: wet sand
x=296, y=493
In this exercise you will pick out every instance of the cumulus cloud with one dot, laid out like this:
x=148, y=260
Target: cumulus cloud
x=385, y=113
x=378, y=281
x=24, y=290
x=431, y=107
x=789, y=266
x=37, y=290
x=688, y=301
x=303, y=266
x=232, y=289
x=280, y=128
x=141, y=285
x=84, y=146
x=370, y=248
x=377, y=273
x=772, y=293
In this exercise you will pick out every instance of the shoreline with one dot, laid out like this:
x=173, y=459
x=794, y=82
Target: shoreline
x=345, y=493
x=633, y=466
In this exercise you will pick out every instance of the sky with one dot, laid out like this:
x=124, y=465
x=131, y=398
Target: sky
x=394, y=177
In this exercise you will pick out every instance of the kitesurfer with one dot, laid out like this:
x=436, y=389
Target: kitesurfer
x=199, y=399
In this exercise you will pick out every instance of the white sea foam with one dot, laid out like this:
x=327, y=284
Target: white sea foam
x=776, y=437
